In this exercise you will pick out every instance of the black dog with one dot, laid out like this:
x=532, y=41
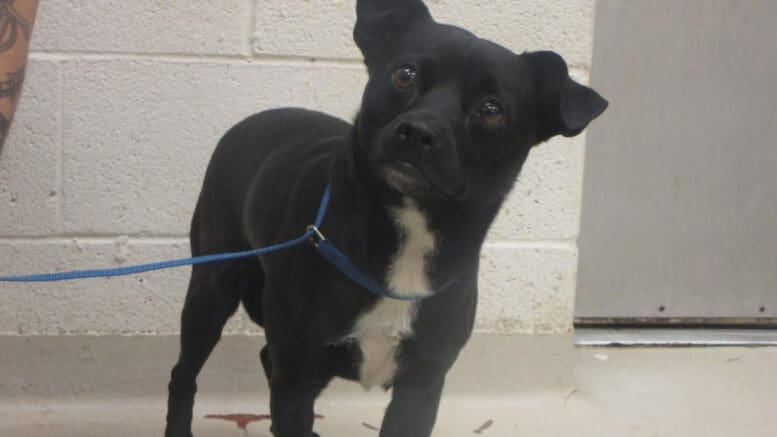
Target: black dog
x=446, y=123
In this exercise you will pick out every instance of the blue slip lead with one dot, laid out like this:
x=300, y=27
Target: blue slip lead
x=206, y=259
x=327, y=250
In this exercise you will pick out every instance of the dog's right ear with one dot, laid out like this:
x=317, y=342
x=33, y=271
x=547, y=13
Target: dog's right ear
x=379, y=22
x=566, y=107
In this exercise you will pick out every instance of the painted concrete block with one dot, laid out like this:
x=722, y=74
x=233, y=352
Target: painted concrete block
x=138, y=134
x=527, y=288
x=144, y=304
x=29, y=164
x=545, y=203
x=206, y=27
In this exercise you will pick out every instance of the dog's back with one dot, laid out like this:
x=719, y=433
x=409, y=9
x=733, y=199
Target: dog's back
x=287, y=137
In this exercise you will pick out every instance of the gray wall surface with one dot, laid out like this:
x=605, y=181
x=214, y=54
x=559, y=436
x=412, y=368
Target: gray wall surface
x=680, y=192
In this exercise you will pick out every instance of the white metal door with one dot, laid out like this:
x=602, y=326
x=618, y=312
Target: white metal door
x=680, y=197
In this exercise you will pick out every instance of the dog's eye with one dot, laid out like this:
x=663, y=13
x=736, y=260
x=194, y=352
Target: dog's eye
x=405, y=77
x=492, y=114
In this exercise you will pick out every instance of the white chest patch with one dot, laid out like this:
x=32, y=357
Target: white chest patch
x=380, y=330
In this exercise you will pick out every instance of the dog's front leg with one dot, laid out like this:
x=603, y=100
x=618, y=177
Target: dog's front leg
x=291, y=407
x=293, y=393
x=414, y=402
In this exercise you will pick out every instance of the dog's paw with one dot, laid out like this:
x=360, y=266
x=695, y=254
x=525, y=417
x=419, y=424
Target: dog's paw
x=170, y=433
x=272, y=431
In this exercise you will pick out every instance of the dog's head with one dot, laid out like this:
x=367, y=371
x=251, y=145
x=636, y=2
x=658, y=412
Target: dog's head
x=448, y=115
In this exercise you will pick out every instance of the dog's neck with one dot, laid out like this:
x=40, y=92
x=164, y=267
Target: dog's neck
x=460, y=226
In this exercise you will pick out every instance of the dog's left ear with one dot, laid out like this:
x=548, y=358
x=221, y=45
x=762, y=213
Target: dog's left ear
x=379, y=22
x=566, y=106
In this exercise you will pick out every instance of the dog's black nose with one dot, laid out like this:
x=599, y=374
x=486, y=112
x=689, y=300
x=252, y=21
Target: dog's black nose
x=416, y=134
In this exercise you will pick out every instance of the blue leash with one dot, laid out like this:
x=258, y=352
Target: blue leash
x=331, y=253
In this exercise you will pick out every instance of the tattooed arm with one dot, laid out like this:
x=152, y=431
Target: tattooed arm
x=16, y=19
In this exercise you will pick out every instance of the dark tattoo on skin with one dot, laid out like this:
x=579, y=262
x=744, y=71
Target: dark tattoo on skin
x=4, y=125
x=13, y=86
x=10, y=24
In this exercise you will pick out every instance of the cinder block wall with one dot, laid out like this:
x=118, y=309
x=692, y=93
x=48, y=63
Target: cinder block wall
x=124, y=102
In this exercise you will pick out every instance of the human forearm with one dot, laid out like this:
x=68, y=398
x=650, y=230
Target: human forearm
x=16, y=21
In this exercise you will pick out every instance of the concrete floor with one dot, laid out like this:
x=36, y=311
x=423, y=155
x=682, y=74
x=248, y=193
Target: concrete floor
x=520, y=385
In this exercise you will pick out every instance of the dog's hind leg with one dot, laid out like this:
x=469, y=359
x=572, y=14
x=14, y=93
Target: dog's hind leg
x=214, y=295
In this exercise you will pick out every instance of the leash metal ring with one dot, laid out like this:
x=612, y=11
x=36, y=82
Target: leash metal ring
x=318, y=237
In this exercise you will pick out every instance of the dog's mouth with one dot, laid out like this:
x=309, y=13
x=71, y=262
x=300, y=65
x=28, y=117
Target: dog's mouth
x=413, y=180
x=405, y=177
